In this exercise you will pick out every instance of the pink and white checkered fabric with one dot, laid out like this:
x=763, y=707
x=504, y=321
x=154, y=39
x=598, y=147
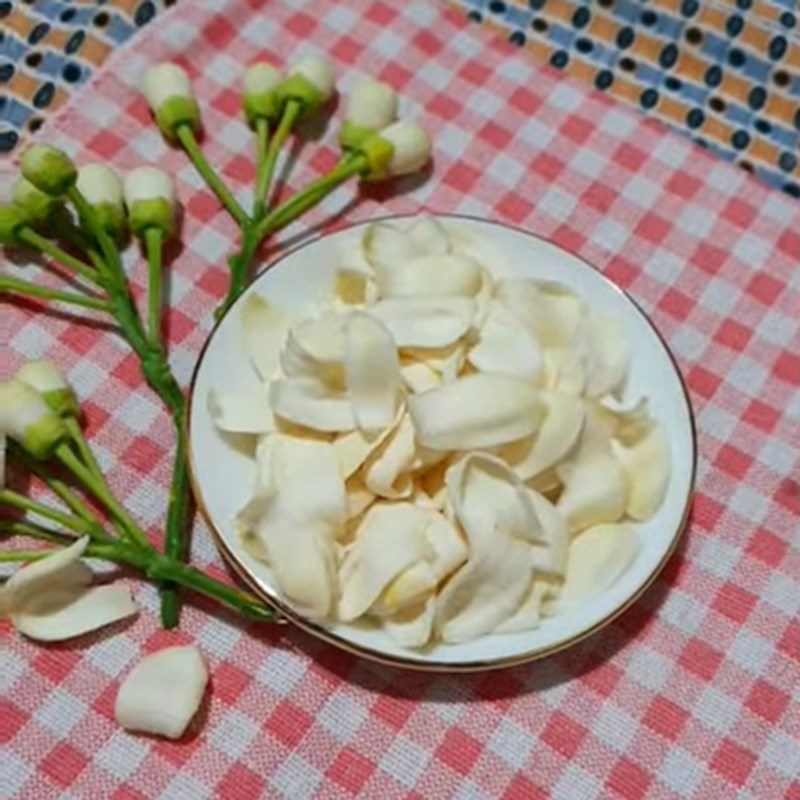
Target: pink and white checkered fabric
x=693, y=692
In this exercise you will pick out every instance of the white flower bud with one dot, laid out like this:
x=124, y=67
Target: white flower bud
x=150, y=198
x=100, y=184
x=48, y=380
x=411, y=147
x=260, y=79
x=318, y=72
x=371, y=104
x=26, y=418
x=164, y=81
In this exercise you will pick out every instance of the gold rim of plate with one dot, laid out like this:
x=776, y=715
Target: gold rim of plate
x=378, y=656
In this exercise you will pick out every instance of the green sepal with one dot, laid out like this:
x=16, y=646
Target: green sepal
x=12, y=219
x=351, y=136
x=49, y=169
x=38, y=206
x=112, y=219
x=300, y=88
x=155, y=213
x=378, y=152
x=262, y=105
x=43, y=436
x=62, y=401
x=177, y=111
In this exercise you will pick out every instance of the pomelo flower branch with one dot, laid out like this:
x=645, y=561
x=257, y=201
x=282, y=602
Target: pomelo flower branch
x=79, y=218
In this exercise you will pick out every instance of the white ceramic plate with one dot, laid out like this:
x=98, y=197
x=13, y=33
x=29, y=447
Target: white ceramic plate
x=223, y=472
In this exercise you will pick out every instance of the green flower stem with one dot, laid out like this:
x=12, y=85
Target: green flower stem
x=33, y=239
x=99, y=488
x=33, y=531
x=310, y=195
x=266, y=168
x=71, y=233
x=153, y=243
x=112, y=270
x=16, y=286
x=189, y=143
x=7, y=556
x=13, y=499
x=82, y=446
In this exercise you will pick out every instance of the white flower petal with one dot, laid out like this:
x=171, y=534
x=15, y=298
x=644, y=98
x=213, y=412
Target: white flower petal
x=241, y=412
x=425, y=321
x=162, y=693
x=389, y=539
x=307, y=402
x=607, y=354
x=529, y=613
x=429, y=235
x=387, y=247
x=418, y=376
x=447, y=274
x=647, y=464
x=479, y=410
x=372, y=372
x=505, y=346
x=597, y=558
x=315, y=348
x=387, y=469
x=413, y=626
x=551, y=311
x=264, y=330
x=357, y=497
x=564, y=371
x=595, y=491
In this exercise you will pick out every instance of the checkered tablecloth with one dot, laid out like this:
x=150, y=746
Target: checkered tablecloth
x=691, y=693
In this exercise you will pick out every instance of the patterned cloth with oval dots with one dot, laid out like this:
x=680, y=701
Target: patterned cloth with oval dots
x=50, y=47
x=725, y=72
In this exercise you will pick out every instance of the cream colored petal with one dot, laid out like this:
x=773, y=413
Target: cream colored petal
x=351, y=288
x=552, y=311
x=529, y=613
x=354, y=447
x=597, y=559
x=315, y=348
x=607, y=355
x=550, y=553
x=505, y=346
x=429, y=276
x=410, y=587
x=413, y=626
x=429, y=235
x=310, y=403
x=241, y=412
x=564, y=371
x=563, y=422
x=63, y=612
x=264, y=328
x=418, y=376
x=387, y=247
x=372, y=371
x=389, y=539
x=162, y=693
x=595, y=492
x=425, y=321
x=481, y=410
x=387, y=469
x=632, y=422
x=358, y=497
x=647, y=465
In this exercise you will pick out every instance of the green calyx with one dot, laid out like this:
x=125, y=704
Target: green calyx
x=49, y=169
x=300, y=88
x=38, y=206
x=378, y=153
x=351, y=136
x=262, y=105
x=12, y=219
x=43, y=436
x=177, y=111
x=62, y=401
x=156, y=213
x=112, y=219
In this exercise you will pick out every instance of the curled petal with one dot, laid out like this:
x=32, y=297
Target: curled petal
x=595, y=491
x=505, y=346
x=551, y=311
x=388, y=248
x=418, y=376
x=447, y=274
x=529, y=613
x=315, y=348
x=429, y=235
x=481, y=410
x=387, y=469
x=372, y=371
x=647, y=466
x=389, y=539
x=310, y=403
x=162, y=693
x=264, y=328
x=413, y=626
x=357, y=497
x=425, y=321
x=607, y=355
x=564, y=371
x=241, y=412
